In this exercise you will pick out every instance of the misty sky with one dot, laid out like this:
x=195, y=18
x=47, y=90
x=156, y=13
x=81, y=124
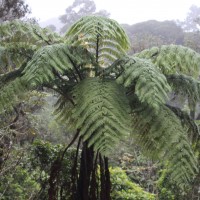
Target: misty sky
x=124, y=11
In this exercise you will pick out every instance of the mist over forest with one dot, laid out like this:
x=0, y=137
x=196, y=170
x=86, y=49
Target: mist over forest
x=143, y=34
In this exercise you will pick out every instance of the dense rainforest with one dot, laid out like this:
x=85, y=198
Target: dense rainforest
x=101, y=110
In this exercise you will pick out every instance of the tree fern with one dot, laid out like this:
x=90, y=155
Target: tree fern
x=106, y=105
x=173, y=59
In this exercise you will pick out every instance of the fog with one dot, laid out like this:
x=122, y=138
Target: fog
x=126, y=11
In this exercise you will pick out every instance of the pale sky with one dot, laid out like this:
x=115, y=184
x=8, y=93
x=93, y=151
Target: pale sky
x=124, y=11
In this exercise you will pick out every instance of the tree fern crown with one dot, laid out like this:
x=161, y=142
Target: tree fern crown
x=102, y=36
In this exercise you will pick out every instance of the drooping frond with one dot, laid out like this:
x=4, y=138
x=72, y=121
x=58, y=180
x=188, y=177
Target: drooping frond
x=50, y=66
x=162, y=135
x=146, y=81
x=102, y=36
x=56, y=59
x=185, y=86
x=101, y=113
x=173, y=59
x=20, y=31
x=188, y=123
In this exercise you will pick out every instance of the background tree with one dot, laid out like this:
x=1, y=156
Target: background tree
x=191, y=23
x=13, y=9
x=104, y=95
x=153, y=33
x=78, y=9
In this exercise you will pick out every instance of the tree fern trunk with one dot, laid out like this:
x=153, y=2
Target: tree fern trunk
x=87, y=187
x=86, y=167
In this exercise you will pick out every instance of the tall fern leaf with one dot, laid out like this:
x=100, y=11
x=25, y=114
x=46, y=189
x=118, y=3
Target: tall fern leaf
x=101, y=113
x=102, y=36
x=162, y=136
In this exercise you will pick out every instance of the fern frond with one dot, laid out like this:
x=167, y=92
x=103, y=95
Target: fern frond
x=149, y=84
x=20, y=31
x=58, y=58
x=99, y=35
x=162, y=136
x=101, y=113
x=173, y=59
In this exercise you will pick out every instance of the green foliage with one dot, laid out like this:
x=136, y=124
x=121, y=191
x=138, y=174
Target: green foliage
x=123, y=188
x=189, y=125
x=45, y=152
x=11, y=93
x=171, y=59
x=54, y=60
x=44, y=155
x=18, y=185
x=19, y=40
x=167, y=190
x=19, y=31
x=13, y=54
